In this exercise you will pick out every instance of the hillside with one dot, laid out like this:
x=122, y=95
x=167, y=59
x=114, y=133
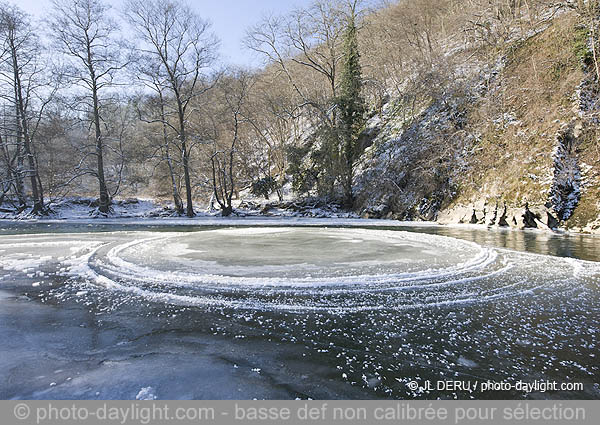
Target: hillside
x=519, y=130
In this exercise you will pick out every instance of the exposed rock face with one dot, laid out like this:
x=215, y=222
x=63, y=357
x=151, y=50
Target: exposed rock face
x=406, y=167
x=474, y=219
x=452, y=158
x=502, y=221
x=495, y=217
x=529, y=218
x=553, y=223
x=482, y=221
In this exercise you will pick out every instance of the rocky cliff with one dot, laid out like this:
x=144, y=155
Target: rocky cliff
x=510, y=140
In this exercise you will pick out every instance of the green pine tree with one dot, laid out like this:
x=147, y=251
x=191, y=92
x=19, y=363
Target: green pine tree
x=351, y=106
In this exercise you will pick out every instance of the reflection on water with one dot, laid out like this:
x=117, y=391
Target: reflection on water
x=583, y=247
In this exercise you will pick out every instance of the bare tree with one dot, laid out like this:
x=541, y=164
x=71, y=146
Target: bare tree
x=85, y=33
x=230, y=130
x=181, y=46
x=310, y=39
x=153, y=113
x=23, y=69
x=271, y=118
x=58, y=146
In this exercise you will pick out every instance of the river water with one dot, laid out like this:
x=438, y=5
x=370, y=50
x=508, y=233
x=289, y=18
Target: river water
x=277, y=310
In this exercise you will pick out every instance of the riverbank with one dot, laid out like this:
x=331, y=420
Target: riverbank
x=306, y=212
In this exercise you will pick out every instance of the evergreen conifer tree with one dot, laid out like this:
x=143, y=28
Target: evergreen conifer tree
x=351, y=105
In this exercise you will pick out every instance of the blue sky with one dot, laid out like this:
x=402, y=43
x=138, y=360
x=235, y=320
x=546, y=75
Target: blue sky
x=230, y=20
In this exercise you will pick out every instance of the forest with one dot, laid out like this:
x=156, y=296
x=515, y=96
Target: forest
x=393, y=200
x=107, y=104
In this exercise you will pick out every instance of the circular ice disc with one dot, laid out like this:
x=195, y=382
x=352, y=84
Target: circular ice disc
x=291, y=256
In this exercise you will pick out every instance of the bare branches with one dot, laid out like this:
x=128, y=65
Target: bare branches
x=175, y=48
x=307, y=40
x=229, y=131
x=30, y=90
x=84, y=31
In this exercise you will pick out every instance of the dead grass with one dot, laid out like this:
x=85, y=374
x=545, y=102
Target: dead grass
x=513, y=162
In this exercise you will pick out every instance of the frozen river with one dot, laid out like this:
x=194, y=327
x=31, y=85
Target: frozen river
x=204, y=312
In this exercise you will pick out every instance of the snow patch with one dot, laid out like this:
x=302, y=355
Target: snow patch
x=146, y=393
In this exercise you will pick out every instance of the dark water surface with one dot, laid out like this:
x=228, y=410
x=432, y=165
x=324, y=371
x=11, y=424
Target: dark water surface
x=110, y=311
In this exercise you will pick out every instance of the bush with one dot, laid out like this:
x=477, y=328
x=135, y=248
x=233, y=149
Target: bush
x=264, y=187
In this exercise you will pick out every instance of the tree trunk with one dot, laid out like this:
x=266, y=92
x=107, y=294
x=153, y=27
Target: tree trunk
x=104, y=202
x=23, y=131
x=349, y=171
x=38, y=200
x=188, y=183
x=176, y=196
x=186, y=164
x=226, y=211
x=19, y=185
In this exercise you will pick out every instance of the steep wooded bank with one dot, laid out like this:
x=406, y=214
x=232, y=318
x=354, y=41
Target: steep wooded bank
x=513, y=142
